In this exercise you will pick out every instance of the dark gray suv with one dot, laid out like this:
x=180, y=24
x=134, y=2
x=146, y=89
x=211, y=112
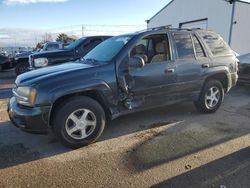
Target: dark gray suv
x=122, y=75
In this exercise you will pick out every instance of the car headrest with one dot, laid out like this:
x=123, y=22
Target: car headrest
x=140, y=49
x=161, y=47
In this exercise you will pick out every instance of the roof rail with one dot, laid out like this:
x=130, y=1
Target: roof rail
x=161, y=27
x=169, y=27
x=154, y=28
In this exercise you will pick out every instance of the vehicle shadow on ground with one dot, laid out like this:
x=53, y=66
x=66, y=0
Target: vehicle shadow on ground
x=191, y=133
x=194, y=132
x=7, y=79
x=234, y=169
x=18, y=147
x=179, y=141
x=5, y=93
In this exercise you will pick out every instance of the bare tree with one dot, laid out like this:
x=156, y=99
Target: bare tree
x=47, y=37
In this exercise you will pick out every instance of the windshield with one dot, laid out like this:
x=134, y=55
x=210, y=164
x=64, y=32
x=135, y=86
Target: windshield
x=108, y=49
x=75, y=43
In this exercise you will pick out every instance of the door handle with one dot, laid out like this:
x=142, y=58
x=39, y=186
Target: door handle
x=205, y=65
x=169, y=71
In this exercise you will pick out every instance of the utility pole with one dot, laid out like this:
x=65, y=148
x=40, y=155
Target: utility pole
x=232, y=21
x=83, y=30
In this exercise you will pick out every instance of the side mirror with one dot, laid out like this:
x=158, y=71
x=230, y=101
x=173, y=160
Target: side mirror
x=136, y=62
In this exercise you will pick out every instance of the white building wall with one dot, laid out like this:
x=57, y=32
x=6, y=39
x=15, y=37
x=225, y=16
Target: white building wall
x=218, y=13
x=241, y=30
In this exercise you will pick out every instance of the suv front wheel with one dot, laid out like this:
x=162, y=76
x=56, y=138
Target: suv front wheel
x=211, y=97
x=79, y=122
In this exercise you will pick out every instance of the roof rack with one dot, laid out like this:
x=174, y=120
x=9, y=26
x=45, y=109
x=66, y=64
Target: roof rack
x=169, y=27
x=159, y=28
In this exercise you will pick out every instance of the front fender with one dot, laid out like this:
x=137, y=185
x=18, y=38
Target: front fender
x=75, y=87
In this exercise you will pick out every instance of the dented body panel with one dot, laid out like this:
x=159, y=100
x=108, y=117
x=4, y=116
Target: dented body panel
x=122, y=89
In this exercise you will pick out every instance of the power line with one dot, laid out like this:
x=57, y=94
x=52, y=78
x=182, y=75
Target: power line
x=98, y=25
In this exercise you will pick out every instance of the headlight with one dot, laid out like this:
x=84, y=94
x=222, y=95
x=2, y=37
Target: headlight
x=25, y=95
x=41, y=62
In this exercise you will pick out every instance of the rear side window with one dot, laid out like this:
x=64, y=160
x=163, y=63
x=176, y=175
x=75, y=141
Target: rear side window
x=52, y=47
x=198, y=47
x=216, y=43
x=184, y=45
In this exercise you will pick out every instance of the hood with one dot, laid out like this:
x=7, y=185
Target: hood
x=31, y=77
x=49, y=54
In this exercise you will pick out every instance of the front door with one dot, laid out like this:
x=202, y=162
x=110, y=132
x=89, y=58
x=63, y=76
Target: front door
x=155, y=83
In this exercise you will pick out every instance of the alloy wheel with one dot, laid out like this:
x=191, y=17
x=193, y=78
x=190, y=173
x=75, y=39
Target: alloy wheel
x=80, y=124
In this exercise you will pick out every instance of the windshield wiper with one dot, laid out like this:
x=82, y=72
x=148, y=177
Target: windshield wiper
x=91, y=60
x=88, y=61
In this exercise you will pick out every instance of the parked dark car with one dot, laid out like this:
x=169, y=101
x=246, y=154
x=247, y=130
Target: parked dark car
x=74, y=51
x=244, y=68
x=22, y=59
x=6, y=62
x=51, y=46
x=122, y=75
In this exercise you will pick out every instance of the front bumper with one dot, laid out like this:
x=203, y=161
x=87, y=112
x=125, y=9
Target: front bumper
x=33, y=120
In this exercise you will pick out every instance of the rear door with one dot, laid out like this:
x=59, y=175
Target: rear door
x=191, y=60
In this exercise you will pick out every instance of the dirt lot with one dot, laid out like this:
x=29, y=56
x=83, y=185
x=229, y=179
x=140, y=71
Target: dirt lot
x=166, y=147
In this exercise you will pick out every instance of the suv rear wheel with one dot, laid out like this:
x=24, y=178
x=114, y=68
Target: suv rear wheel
x=79, y=122
x=211, y=97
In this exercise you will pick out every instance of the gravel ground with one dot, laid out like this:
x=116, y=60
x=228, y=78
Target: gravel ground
x=172, y=146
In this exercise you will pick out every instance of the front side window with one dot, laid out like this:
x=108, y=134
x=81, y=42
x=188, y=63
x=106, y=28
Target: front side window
x=108, y=49
x=184, y=45
x=153, y=49
x=216, y=43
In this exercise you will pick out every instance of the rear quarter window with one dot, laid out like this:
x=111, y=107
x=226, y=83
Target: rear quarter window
x=215, y=43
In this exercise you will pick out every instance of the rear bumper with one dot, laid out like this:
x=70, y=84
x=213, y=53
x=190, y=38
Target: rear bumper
x=33, y=120
x=232, y=80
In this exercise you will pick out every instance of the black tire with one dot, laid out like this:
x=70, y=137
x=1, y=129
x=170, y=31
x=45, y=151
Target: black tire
x=66, y=109
x=21, y=67
x=202, y=104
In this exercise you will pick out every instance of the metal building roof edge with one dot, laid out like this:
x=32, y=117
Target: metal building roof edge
x=161, y=9
x=174, y=0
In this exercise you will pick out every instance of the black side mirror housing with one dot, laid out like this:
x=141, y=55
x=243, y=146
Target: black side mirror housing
x=136, y=62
